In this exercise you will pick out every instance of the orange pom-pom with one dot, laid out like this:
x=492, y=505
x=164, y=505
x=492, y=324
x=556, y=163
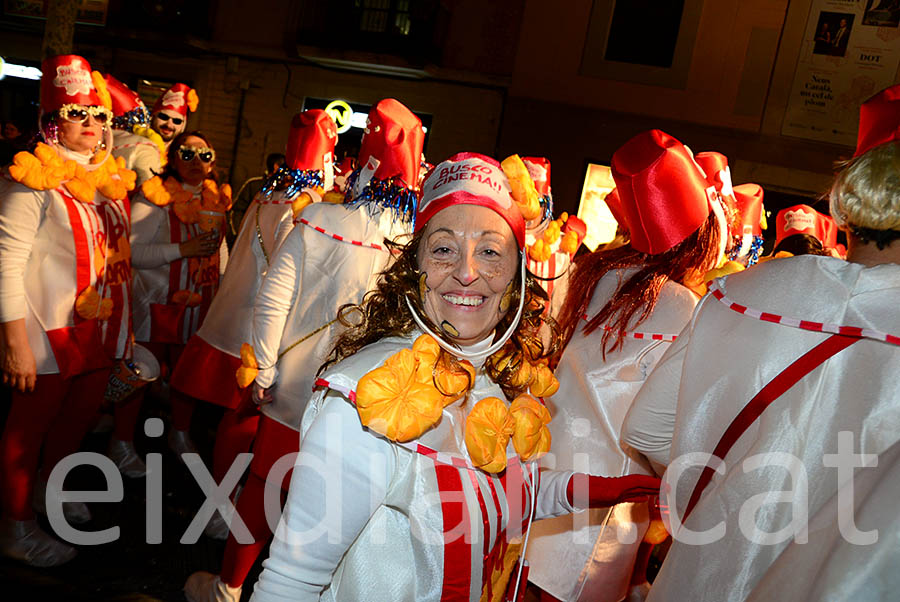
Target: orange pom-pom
x=531, y=437
x=488, y=428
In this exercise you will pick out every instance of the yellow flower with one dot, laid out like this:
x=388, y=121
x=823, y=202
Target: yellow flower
x=551, y=233
x=188, y=211
x=531, y=437
x=82, y=188
x=246, y=374
x=540, y=251
x=102, y=92
x=155, y=192
x=192, y=100
x=544, y=383
x=391, y=401
x=569, y=243
x=488, y=428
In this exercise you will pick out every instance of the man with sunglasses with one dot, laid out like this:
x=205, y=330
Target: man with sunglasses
x=169, y=115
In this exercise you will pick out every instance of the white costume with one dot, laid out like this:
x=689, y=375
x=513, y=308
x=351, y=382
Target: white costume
x=310, y=277
x=141, y=154
x=720, y=362
x=53, y=248
x=160, y=272
x=581, y=557
x=392, y=523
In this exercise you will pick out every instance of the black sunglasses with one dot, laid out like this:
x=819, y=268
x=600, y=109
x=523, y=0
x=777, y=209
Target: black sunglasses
x=175, y=120
x=187, y=154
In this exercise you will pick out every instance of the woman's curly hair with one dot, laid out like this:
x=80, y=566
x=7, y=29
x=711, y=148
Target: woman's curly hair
x=384, y=313
x=635, y=298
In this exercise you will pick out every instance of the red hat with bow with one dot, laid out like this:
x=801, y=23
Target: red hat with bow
x=178, y=99
x=803, y=219
x=67, y=79
x=664, y=195
x=879, y=120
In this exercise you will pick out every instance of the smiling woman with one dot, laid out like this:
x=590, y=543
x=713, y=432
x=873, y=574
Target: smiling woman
x=437, y=485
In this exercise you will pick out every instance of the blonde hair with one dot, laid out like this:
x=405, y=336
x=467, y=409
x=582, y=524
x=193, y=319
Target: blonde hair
x=866, y=191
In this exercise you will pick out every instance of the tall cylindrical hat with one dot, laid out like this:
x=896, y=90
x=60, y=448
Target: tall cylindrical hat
x=879, y=120
x=66, y=79
x=664, y=196
x=309, y=156
x=749, y=199
x=178, y=99
x=389, y=160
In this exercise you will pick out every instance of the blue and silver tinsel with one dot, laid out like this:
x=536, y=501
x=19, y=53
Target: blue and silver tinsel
x=138, y=116
x=291, y=181
x=384, y=194
x=754, y=252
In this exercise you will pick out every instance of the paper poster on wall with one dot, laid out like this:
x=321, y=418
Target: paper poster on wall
x=850, y=51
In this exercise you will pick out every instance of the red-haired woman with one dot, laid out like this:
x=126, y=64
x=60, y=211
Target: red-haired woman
x=624, y=307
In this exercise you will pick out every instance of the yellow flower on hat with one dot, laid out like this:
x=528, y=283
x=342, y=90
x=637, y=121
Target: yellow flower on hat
x=246, y=374
x=531, y=437
x=488, y=428
x=192, y=100
x=102, y=92
x=393, y=402
x=522, y=187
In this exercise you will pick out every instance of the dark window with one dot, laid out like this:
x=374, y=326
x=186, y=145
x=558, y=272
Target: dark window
x=644, y=32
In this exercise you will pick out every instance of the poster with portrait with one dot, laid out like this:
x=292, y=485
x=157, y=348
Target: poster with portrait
x=850, y=51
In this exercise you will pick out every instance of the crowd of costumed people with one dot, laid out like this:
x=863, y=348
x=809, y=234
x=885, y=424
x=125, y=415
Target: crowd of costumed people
x=428, y=388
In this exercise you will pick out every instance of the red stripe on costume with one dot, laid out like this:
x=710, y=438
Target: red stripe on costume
x=207, y=373
x=775, y=388
x=457, y=583
x=83, y=264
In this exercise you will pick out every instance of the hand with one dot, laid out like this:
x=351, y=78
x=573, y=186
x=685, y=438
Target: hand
x=609, y=491
x=16, y=358
x=261, y=396
x=200, y=246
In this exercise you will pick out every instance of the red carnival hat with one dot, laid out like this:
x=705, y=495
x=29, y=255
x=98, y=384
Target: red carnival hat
x=803, y=219
x=664, y=196
x=879, y=120
x=749, y=199
x=392, y=144
x=615, y=207
x=124, y=99
x=311, y=141
x=470, y=179
x=718, y=174
x=178, y=99
x=539, y=170
x=66, y=79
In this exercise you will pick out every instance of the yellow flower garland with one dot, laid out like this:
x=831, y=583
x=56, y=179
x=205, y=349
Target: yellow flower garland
x=46, y=170
x=404, y=398
x=187, y=206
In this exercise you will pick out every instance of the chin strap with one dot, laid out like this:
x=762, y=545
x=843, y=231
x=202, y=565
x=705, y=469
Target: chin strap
x=476, y=357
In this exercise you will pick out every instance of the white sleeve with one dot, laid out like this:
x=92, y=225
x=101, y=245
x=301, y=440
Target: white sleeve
x=551, y=495
x=340, y=479
x=21, y=213
x=145, y=162
x=274, y=300
x=650, y=422
x=147, y=250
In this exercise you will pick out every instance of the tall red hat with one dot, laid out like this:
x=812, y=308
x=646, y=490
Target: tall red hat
x=124, y=99
x=392, y=144
x=539, y=170
x=879, y=120
x=664, y=195
x=615, y=207
x=311, y=141
x=803, y=219
x=66, y=79
x=749, y=199
x=470, y=179
x=177, y=99
x=715, y=165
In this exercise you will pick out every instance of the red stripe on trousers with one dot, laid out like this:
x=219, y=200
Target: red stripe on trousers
x=457, y=545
